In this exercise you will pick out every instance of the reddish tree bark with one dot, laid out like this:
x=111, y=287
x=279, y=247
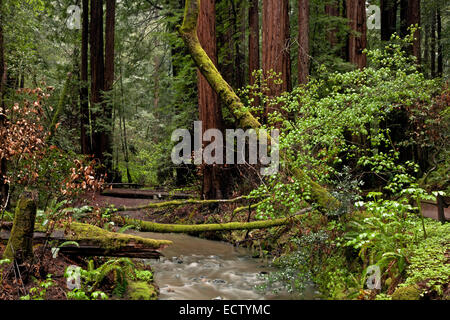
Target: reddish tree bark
x=440, y=65
x=109, y=43
x=253, y=39
x=84, y=92
x=413, y=18
x=209, y=108
x=357, y=42
x=303, y=41
x=388, y=18
x=253, y=44
x=97, y=76
x=275, y=39
x=3, y=164
x=433, y=46
x=109, y=81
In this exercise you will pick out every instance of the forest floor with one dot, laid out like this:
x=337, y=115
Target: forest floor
x=15, y=286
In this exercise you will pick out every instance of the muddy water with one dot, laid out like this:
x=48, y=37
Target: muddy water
x=199, y=269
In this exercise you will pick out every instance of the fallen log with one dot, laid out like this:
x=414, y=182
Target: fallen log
x=175, y=203
x=144, y=194
x=196, y=228
x=94, y=241
x=123, y=185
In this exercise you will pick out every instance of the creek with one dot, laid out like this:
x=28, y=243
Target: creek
x=198, y=269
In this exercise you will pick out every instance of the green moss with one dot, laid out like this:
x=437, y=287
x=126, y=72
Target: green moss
x=411, y=292
x=20, y=243
x=141, y=290
x=109, y=240
x=183, y=228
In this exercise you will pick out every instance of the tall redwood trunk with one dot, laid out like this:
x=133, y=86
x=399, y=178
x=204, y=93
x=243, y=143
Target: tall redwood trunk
x=388, y=18
x=433, y=46
x=356, y=13
x=253, y=44
x=109, y=81
x=109, y=43
x=413, y=18
x=275, y=52
x=333, y=11
x=97, y=76
x=253, y=39
x=209, y=108
x=84, y=91
x=3, y=164
x=440, y=65
x=303, y=41
x=403, y=18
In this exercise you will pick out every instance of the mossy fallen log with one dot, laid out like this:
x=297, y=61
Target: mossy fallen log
x=87, y=233
x=144, y=194
x=175, y=203
x=188, y=32
x=94, y=241
x=197, y=228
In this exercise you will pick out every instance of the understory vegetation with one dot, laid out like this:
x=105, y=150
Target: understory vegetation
x=358, y=152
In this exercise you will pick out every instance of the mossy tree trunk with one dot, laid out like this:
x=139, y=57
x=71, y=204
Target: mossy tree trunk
x=245, y=119
x=20, y=243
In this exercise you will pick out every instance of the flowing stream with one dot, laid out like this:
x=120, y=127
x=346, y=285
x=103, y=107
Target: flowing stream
x=199, y=269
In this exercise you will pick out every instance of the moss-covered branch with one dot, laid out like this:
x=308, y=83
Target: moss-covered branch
x=188, y=32
x=187, y=228
x=109, y=240
x=175, y=203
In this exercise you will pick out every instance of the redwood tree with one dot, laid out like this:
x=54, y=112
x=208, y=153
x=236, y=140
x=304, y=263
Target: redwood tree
x=357, y=42
x=275, y=41
x=3, y=167
x=413, y=18
x=253, y=39
x=410, y=15
x=109, y=81
x=97, y=74
x=332, y=10
x=84, y=92
x=209, y=109
x=388, y=18
x=303, y=41
x=102, y=77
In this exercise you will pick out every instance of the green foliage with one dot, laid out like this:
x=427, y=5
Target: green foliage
x=122, y=270
x=297, y=268
x=429, y=265
x=340, y=120
x=78, y=294
x=39, y=292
